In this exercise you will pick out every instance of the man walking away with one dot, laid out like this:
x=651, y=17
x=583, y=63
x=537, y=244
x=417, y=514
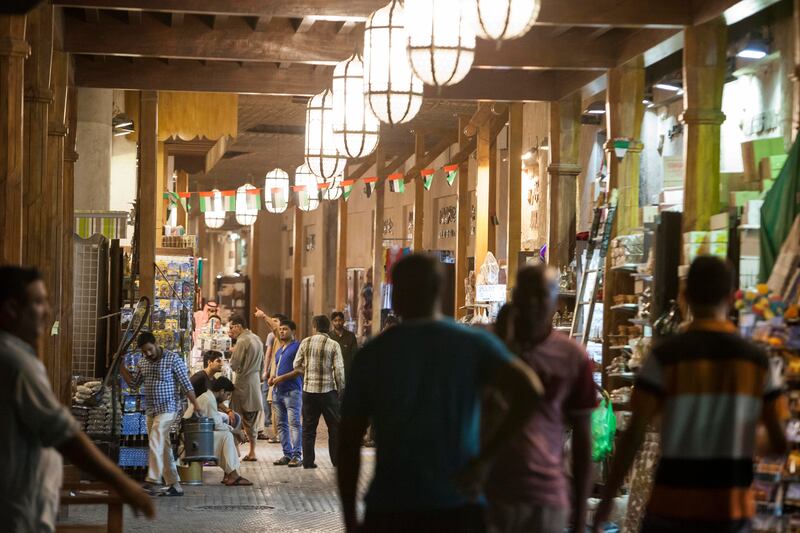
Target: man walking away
x=287, y=396
x=420, y=384
x=37, y=429
x=527, y=487
x=159, y=371
x=224, y=444
x=319, y=360
x=247, y=361
x=711, y=388
x=202, y=379
x=346, y=339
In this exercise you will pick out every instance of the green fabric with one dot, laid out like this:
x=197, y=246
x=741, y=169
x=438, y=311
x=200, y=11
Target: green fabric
x=781, y=206
x=604, y=427
x=427, y=181
x=451, y=177
x=346, y=190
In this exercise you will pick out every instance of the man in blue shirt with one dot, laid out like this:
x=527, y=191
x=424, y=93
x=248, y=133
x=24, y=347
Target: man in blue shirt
x=420, y=383
x=287, y=394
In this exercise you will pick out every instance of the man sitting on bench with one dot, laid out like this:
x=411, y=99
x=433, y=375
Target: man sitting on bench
x=224, y=445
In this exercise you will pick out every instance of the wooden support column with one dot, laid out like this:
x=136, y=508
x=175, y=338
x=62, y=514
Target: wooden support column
x=13, y=50
x=254, y=268
x=493, y=185
x=795, y=75
x=514, y=241
x=52, y=205
x=377, y=250
x=565, y=136
x=148, y=201
x=704, y=63
x=182, y=185
x=297, y=268
x=341, y=256
x=483, y=194
x=68, y=230
x=419, y=195
x=624, y=114
x=462, y=221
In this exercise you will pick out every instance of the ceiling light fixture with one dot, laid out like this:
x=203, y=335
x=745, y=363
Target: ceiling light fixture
x=669, y=86
x=215, y=217
x=322, y=157
x=334, y=190
x=246, y=205
x=392, y=90
x=596, y=108
x=276, y=191
x=308, y=195
x=754, y=48
x=504, y=19
x=355, y=126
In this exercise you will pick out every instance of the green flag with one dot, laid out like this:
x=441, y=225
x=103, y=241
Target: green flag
x=452, y=173
x=781, y=207
x=346, y=190
x=397, y=185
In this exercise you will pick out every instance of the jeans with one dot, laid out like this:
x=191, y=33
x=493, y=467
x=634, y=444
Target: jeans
x=287, y=410
x=314, y=405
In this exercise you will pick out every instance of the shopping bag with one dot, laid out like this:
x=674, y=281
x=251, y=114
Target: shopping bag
x=604, y=427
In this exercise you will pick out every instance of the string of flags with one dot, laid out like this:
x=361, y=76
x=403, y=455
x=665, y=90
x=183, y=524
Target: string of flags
x=395, y=181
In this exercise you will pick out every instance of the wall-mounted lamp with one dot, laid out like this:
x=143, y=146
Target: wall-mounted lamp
x=596, y=108
x=754, y=48
x=621, y=147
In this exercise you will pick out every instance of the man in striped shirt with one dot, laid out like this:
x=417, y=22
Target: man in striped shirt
x=319, y=360
x=712, y=389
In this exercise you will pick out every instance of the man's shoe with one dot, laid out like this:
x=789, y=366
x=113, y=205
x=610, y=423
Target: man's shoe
x=172, y=491
x=153, y=490
x=273, y=440
x=262, y=436
x=283, y=461
x=294, y=463
x=309, y=466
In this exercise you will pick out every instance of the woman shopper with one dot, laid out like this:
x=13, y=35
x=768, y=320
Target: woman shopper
x=527, y=488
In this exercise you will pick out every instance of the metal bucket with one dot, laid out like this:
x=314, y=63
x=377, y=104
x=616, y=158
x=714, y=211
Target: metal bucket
x=191, y=474
x=198, y=440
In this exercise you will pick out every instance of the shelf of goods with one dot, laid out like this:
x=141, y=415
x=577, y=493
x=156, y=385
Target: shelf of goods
x=171, y=317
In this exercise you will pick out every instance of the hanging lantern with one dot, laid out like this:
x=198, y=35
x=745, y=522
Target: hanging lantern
x=441, y=40
x=504, y=19
x=246, y=205
x=355, y=126
x=392, y=91
x=322, y=157
x=276, y=191
x=334, y=190
x=215, y=217
x=307, y=198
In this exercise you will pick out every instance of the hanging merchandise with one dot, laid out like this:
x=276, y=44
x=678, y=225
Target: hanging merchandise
x=276, y=191
x=427, y=177
x=306, y=186
x=322, y=157
x=248, y=203
x=498, y=20
x=396, y=182
x=452, y=173
x=393, y=92
x=355, y=126
x=331, y=189
x=213, y=209
x=441, y=40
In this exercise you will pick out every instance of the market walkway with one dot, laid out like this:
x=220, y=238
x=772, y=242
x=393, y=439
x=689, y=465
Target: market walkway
x=281, y=499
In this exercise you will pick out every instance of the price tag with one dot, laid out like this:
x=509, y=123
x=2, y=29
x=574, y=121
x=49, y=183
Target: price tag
x=490, y=293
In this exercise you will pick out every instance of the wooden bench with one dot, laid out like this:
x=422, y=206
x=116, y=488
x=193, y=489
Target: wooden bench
x=77, y=492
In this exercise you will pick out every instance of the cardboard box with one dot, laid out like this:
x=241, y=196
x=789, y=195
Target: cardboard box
x=752, y=213
x=671, y=196
x=693, y=251
x=695, y=237
x=750, y=242
x=718, y=236
x=735, y=181
x=719, y=249
x=740, y=198
x=754, y=151
x=720, y=221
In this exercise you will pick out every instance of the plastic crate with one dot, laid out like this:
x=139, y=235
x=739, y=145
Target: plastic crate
x=133, y=456
x=133, y=424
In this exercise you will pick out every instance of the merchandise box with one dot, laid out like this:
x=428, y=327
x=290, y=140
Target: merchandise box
x=695, y=250
x=749, y=242
x=718, y=236
x=720, y=221
x=694, y=237
x=740, y=198
x=752, y=213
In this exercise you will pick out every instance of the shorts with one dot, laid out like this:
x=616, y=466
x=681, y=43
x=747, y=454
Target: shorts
x=249, y=418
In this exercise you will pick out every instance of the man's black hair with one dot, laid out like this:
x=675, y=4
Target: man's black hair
x=710, y=282
x=14, y=281
x=281, y=317
x=321, y=323
x=145, y=337
x=222, y=383
x=289, y=324
x=417, y=284
x=238, y=320
x=337, y=314
x=210, y=356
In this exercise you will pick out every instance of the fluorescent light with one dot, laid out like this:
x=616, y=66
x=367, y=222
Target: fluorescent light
x=668, y=87
x=752, y=54
x=597, y=111
x=596, y=108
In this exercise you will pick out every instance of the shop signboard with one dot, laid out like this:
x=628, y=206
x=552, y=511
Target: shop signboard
x=490, y=293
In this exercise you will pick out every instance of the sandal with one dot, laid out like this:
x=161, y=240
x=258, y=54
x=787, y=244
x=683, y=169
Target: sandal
x=239, y=482
x=249, y=459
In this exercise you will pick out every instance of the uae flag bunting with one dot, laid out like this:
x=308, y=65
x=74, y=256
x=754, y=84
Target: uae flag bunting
x=279, y=200
x=396, y=182
x=451, y=173
x=184, y=196
x=369, y=186
x=298, y=188
x=346, y=190
x=254, y=198
x=427, y=177
x=206, y=199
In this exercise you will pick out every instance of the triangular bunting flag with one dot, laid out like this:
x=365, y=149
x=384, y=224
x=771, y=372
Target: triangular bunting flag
x=254, y=198
x=184, y=196
x=369, y=185
x=346, y=190
x=396, y=182
x=427, y=177
x=278, y=199
x=452, y=173
x=205, y=201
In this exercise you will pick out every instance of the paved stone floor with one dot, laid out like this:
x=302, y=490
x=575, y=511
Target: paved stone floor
x=281, y=499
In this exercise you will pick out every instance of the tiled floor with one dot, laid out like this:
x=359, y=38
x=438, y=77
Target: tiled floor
x=281, y=499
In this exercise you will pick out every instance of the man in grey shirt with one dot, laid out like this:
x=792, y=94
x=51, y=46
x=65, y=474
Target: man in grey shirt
x=247, y=361
x=38, y=430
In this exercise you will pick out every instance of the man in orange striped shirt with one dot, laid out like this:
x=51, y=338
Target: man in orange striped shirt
x=711, y=389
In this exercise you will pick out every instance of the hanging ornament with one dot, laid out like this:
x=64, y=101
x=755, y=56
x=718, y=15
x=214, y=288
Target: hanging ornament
x=441, y=40
x=504, y=19
x=355, y=126
x=214, y=210
x=276, y=191
x=322, y=157
x=247, y=204
x=392, y=90
x=331, y=189
x=307, y=193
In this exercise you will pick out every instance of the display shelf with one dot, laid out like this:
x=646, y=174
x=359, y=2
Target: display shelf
x=621, y=347
x=642, y=276
x=627, y=267
x=568, y=294
x=563, y=329
x=625, y=307
x=639, y=321
x=630, y=376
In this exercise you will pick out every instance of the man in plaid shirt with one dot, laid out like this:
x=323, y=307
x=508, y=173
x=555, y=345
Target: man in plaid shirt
x=319, y=360
x=162, y=373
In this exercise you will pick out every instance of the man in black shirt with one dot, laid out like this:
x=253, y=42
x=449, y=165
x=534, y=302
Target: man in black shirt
x=202, y=379
x=346, y=339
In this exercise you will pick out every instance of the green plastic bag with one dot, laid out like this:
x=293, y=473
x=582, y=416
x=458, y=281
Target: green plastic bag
x=604, y=427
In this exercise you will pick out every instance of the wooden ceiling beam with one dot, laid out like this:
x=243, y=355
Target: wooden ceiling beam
x=260, y=23
x=431, y=155
x=302, y=25
x=92, y=16
x=134, y=17
x=622, y=13
x=176, y=19
x=364, y=165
